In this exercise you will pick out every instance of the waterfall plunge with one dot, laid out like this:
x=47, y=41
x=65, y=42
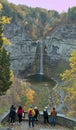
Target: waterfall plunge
x=41, y=59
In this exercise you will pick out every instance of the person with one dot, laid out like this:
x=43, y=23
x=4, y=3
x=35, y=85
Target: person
x=31, y=114
x=20, y=111
x=53, y=117
x=36, y=113
x=12, y=114
x=45, y=115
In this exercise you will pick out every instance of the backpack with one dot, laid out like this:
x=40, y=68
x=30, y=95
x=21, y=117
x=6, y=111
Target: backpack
x=30, y=112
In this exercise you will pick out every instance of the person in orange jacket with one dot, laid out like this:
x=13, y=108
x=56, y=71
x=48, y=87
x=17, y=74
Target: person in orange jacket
x=53, y=117
x=31, y=114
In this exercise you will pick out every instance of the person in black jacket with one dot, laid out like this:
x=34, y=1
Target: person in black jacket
x=45, y=116
x=12, y=114
x=36, y=113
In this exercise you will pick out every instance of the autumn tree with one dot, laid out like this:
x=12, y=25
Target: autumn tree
x=4, y=58
x=69, y=76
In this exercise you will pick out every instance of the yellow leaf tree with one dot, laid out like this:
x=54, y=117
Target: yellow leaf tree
x=5, y=75
x=69, y=76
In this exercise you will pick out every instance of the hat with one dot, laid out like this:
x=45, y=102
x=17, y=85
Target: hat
x=46, y=107
x=31, y=106
x=35, y=107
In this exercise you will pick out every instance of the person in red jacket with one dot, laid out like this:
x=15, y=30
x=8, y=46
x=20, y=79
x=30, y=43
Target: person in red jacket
x=20, y=111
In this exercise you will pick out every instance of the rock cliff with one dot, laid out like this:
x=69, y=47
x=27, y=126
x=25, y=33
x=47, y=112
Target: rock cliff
x=25, y=53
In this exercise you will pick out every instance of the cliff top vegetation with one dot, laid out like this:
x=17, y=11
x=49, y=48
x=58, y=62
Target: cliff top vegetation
x=37, y=21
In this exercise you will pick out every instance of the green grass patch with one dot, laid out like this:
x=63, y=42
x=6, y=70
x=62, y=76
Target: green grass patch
x=3, y=109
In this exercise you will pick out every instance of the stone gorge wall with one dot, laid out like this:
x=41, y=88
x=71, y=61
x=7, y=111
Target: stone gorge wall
x=22, y=56
x=24, y=51
x=61, y=42
x=58, y=46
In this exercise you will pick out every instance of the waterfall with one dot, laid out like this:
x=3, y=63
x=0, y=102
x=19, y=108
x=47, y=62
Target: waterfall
x=41, y=59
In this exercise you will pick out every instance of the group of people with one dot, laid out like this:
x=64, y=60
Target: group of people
x=34, y=112
x=13, y=112
x=32, y=115
x=53, y=114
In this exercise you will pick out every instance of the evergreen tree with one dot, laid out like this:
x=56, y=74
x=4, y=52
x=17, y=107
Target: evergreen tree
x=4, y=66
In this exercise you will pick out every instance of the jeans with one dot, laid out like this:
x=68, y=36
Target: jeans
x=53, y=121
x=31, y=121
x=12, y=119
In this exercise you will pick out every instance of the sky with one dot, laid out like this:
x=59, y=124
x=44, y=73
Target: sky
x=58, y=5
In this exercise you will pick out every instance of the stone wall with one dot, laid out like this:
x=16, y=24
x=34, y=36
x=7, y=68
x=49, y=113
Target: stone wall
x=61, y=120
x=65, y=121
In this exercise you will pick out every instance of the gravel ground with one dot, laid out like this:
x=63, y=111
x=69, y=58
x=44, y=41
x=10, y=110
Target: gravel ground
x=24, y=126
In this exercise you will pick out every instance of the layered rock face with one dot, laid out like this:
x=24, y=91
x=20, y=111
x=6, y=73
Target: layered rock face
x=25, y=53
x=61, y=42
x=22, y=50
x=58, y=46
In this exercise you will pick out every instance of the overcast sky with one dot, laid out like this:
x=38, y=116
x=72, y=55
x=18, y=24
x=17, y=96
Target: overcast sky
x=59, y=5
